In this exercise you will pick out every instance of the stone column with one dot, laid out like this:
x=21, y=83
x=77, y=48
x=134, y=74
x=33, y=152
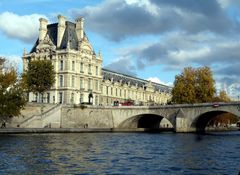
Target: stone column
x=42, y=28
x=180, y=123
x=61, y=29
x=79, y=28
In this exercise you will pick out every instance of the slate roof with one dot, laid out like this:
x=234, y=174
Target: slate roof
x=69, y=36
x=117, y=77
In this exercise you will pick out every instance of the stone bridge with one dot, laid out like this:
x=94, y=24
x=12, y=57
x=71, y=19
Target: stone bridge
x=182, y=118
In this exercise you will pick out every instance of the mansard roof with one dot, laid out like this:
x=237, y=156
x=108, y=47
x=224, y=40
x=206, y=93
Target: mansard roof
x=125, y=79
x=69, y=37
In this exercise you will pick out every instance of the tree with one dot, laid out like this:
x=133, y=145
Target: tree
x=193, y=86
x=39, y=77
x=12, y=98
x=223, y=119
x=223, y=97
x=205, y=85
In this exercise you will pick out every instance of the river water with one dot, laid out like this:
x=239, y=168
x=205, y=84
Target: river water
x=120, y=153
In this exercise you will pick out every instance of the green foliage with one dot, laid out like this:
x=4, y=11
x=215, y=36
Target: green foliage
x=39, y=77
x=12, y=98
x=193, y=86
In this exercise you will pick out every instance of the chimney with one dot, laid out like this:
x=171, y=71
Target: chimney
x=42, y=29
x=61, y=29
x=79, y=28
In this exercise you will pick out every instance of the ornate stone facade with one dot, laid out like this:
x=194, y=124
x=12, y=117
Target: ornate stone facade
x=79, y=74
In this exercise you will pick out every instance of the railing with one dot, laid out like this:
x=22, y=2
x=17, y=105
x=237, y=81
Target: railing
x=39, y=116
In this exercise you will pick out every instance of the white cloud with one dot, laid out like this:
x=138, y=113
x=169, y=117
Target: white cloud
x=187, y=55
x=145, y=4
x=227, y=3
x=157, y=80
x=24, y=28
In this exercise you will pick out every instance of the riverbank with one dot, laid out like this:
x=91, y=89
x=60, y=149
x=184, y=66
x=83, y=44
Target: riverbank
x=76, y=130
x=222, y=129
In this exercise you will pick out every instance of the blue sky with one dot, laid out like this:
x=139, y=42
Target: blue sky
x=150, y=39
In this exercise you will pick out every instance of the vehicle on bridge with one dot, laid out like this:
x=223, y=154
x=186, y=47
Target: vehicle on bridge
x=127, y=103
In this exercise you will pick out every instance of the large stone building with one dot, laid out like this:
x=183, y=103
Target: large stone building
x=80, y=77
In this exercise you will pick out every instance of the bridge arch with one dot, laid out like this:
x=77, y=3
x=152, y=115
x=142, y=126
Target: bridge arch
x=201, y=121
x=147, y=121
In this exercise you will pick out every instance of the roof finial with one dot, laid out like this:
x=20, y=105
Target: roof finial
x=24, y=52
x=99, y=53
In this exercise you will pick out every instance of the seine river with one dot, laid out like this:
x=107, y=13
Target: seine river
x=120, y=153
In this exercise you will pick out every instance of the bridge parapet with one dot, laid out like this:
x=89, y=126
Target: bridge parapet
x=183, y=117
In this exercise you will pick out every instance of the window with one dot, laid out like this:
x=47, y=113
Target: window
x=36, y=97
x=116, y=92
x=61, y=81
x=96, y=100
x=96, y=85
x=60, y=97
x=72, y=98
x=81, y=67
x=89, y=69
x=61, y=65
x=48, y=97
x=120, y=92
x=96, y=70
x=73, y=81
x=73, y=65
x=89, y=84
x=81, y=98
x=81, y=83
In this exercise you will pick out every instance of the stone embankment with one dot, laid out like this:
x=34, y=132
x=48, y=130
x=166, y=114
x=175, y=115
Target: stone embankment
x=72, y=130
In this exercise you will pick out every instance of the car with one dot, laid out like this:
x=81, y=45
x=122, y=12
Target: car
x=215, y=105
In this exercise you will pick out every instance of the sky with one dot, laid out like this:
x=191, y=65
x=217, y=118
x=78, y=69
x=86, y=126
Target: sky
x=150, y=39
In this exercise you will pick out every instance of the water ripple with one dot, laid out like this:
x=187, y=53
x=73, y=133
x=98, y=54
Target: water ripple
x=120, y=153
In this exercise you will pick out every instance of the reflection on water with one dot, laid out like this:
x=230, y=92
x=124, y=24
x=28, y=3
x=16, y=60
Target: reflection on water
x=120, y=153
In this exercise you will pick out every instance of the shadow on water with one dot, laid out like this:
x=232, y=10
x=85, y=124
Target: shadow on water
x=200, y=136
x=158, y=130
x=223, y=133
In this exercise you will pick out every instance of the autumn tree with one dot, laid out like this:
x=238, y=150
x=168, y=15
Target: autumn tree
x=194, y=86
x=12, y=98
x=223, y=97
x=39, y=77
x=223, y=119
